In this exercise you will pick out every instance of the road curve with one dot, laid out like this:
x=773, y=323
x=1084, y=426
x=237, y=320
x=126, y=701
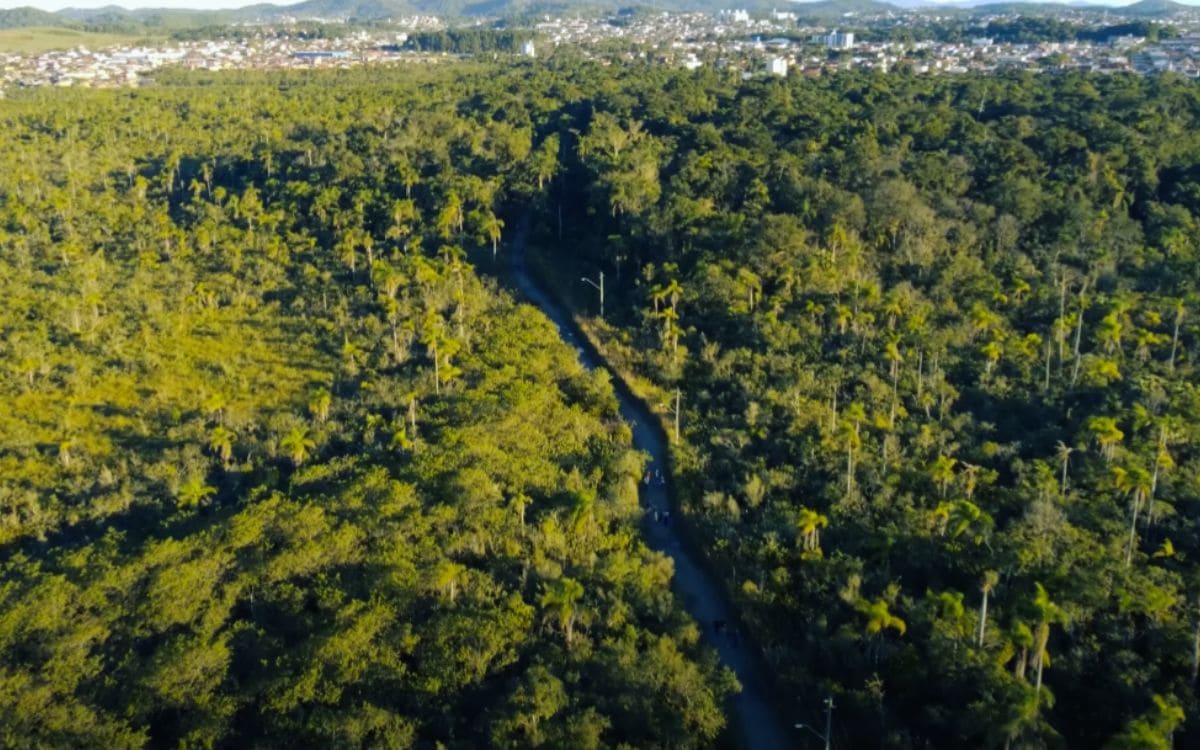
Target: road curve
x=756, y=724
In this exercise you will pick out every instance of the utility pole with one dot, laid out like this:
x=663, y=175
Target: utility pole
x=828, y=722
x=827, y=738
x=599, y=287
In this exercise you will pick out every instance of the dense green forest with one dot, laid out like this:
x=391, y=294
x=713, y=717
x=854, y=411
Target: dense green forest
x=935, y=345
x=279, y=468
x=281, y=459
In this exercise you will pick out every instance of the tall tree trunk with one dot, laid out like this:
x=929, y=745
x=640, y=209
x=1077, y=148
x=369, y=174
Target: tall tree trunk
x=1079, y=332
x=1046, y=382
x=1062, y=316
x=1175, y=336
x=437, y=373
x=1162, y=442
x=920, y=373
x=1137, y=505
x=983, y=617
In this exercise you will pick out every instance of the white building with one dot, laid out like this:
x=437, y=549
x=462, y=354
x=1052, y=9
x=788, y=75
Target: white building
x=528, y=50
x=777, y=66
x=838, y=40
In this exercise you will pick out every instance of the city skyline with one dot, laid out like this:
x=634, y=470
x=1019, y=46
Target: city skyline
x=56, y=5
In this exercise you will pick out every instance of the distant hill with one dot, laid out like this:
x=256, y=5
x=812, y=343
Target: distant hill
x=19, y=18
x=1154, y=9
x=1143, y=9
x=113, y=17
x=835, y=8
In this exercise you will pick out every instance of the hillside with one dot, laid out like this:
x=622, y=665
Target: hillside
x=839, y=8
x=16, y=18
x=1155, y=9
x=280, y=468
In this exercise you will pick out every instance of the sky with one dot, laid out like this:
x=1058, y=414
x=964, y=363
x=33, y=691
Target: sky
x=212, y=4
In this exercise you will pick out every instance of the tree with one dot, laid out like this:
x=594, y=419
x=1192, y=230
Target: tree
x=447, y=577
x=220, y=441
x=1064, y=452
x=297, y=445
x=319, y=402
x=810, y=523
x=1106, y=434
x=559, y=598
x=195, y=493
x=942, y=473
x=1136, y=483
x=1152, y=730
x=880, y=618
x=1048, y=613
x=491, y=227
x=986, y=586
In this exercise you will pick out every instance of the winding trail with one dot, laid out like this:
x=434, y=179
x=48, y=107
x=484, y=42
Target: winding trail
x=755, y=722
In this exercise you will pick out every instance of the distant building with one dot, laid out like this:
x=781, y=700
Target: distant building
x=320, y=54
x=737, y=15
x=691, y=62
x=777, y=66
x=528, y=50
x=1125, y=41
x=981, y=41
x=836, y=40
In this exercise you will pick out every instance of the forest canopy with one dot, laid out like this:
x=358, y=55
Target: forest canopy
x=277, y=466
x=935, y=345
x=281, y=458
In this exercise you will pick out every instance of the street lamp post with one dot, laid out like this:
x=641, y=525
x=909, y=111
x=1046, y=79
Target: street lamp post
x=827, y=737
x=599, y=287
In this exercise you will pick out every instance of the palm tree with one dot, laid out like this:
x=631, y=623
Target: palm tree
x=1163, y=461
x=560, y=597
x=447, y=576
x=220, y=441
x=967, y=516
x=1064, y=452
x=520, y=502
x=1135, y=482
x=1048, y=614
x=986, y=586
x=582, y=509
x=856, y=414
x=450, y=218
x=318, y=404
x=403, y=214
x=1107, y=435
x=194, y=493
x=970, y=478
x=880, y=618
x=434, y=337
x=297, y=444
x=1175, y=336
x=215, y=403
x=385, y=276
x=992, y=352
x=942, y=472
x=811, y=522
x=492, y=225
